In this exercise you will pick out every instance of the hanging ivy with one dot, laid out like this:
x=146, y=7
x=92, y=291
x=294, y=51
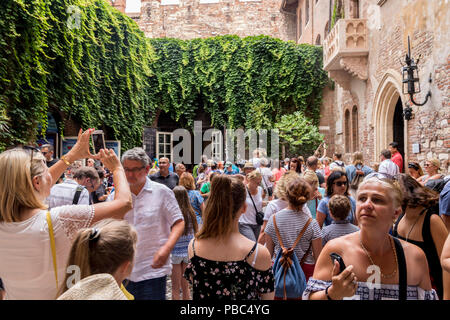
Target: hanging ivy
x=91, y=62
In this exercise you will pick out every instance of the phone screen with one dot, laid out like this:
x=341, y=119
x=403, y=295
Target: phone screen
x=99, y=141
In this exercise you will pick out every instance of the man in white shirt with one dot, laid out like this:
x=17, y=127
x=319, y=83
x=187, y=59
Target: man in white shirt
x=159, y=223
x=387, y=167
x=76, y=189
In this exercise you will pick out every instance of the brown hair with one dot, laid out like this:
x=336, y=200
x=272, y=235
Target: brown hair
x=188, y=212
x=101, y=249
x=226, y=198
x=298, y=193
x=339, y=207
x=414, y=194
x=187, y=181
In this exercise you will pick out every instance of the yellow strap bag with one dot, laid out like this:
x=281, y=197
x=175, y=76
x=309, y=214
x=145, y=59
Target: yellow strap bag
x=52, y=244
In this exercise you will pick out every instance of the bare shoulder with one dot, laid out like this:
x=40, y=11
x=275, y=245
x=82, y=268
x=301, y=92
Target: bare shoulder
x=263, y=260
x=413, y=254
x=339, y=245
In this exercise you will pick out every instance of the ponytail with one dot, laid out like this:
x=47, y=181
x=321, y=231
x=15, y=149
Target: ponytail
x=101, y=249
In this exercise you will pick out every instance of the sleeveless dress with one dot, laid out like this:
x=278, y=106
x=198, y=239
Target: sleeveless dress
x=428, y=247
x=228, y=280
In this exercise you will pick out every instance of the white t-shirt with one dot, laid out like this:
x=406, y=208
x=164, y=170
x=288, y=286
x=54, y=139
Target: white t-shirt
x=267, y=174
x=249, y=216
x=155, y=210
x=26, y=261
x=273, y=207
x=277, y=205
x=388, y=167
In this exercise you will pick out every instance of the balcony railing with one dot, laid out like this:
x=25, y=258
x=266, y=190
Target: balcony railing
x=348, y=38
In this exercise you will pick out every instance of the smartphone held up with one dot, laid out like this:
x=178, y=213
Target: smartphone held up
x=98, y=140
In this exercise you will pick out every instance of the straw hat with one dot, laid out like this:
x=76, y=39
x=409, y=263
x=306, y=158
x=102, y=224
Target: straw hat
x=100, y=286
x=249, y=164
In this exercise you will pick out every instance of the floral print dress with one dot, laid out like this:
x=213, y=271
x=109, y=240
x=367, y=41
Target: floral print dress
x=227, y=280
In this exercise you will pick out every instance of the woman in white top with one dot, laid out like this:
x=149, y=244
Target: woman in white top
x=247, y=222
x=26, y=263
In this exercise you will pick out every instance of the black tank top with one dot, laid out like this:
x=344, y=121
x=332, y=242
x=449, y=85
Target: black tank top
x=428, y=247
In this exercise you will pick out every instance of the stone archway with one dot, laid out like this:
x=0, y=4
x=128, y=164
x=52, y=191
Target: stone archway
x=386, y=98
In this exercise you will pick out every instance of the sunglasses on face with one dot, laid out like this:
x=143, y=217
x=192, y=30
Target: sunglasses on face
x=133, y=170
x=340, y=183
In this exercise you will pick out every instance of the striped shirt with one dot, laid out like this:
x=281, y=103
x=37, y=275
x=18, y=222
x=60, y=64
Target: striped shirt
x=62, y=194
x=337, y=229
x=290, y=223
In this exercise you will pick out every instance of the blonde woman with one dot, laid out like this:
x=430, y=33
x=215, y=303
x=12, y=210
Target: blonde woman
x=248, y=225
x=26, y=263
x=195, y=198
x=432, y=167
x=104, y=255
x=317, y=192
x=279, y=203
x=401, y=268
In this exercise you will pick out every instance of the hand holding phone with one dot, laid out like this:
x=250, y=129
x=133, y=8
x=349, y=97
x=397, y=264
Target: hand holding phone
x=334, y=256
x=98, y=140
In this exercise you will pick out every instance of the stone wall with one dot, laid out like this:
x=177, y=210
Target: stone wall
x=208, y=18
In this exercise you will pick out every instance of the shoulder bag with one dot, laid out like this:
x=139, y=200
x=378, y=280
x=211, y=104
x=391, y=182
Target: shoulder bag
x=259, y=214
x=52, y=245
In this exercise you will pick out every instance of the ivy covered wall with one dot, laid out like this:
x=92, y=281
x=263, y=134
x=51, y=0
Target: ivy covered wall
x=91, y=62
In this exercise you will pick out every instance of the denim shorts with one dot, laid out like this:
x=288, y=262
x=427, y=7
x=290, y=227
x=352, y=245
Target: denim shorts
x=178, y=260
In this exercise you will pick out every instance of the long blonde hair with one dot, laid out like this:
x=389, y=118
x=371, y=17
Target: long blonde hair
x=101, y=249
x=17, y=192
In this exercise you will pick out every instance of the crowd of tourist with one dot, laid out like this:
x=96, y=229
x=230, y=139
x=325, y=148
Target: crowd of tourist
x=221, y=229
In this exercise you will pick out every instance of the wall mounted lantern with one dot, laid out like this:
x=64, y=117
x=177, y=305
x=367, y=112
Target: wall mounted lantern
x=410, y=81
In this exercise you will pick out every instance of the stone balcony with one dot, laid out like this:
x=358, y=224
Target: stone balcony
x=345, y=51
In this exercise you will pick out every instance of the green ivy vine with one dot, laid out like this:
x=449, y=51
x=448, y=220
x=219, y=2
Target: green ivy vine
x=105, y=73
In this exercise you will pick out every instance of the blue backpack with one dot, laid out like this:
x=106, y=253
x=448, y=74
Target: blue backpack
x=290, y=280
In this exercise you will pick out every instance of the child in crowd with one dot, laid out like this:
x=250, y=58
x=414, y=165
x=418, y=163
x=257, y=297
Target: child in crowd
x=104, y=255
x=180, y=256
x=339, y=207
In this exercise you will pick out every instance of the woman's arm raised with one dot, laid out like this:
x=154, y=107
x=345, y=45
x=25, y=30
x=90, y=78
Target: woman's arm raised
x=122, y=202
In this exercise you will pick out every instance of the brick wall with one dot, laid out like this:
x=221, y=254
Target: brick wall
x=192, y=19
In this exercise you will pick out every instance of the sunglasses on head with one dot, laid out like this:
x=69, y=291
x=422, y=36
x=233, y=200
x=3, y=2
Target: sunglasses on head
x=413, y=165
x=30, y=149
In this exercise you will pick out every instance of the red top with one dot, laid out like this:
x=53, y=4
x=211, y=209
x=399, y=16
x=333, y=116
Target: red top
x=398, y=160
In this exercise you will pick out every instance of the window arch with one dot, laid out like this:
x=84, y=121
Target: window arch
x=326, y=31
x=355, y=136
x=347, y=132
x=318, y=40
x=306, y=12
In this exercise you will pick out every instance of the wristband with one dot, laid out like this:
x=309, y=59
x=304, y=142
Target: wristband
x=63, y=158
x=326, y=293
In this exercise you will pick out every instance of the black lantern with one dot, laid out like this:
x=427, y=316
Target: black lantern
x=410, y=81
